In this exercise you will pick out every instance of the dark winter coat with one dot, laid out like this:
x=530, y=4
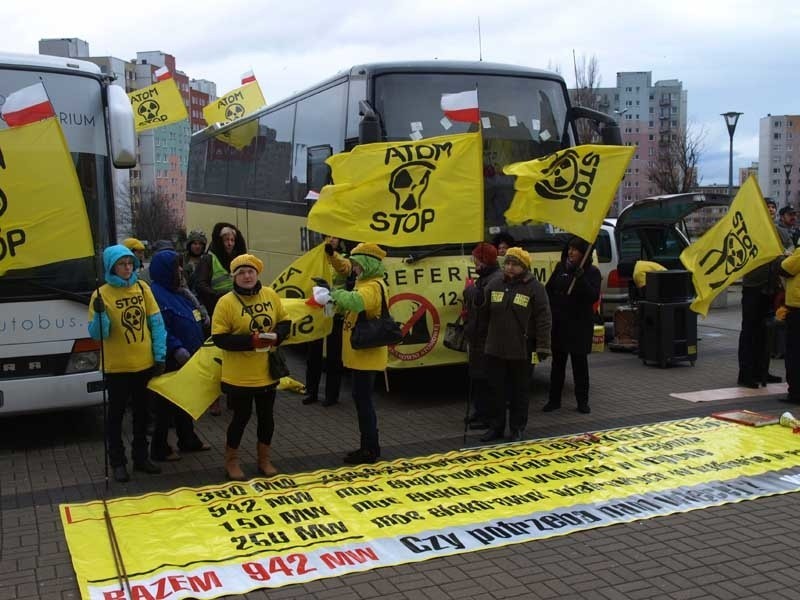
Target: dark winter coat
x=573, y=316
x=183, y=323
x=203, y=270
x=519, y=318
x=476, y=323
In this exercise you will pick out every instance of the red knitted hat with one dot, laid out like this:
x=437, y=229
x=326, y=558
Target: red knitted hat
x=485, y=253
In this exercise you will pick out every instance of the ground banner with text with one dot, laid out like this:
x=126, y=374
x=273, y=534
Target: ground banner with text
x=265, y=533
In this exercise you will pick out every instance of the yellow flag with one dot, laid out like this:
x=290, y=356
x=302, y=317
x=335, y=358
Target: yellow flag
x=240, y=137
x=405, y=193
x=743, y=240
x=235, y=104
x=571, y=189
x=42, y=212
x=308, y=322
x=295, y=280
x=157, y=105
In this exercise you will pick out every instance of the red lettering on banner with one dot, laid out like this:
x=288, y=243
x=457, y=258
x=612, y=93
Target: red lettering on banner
x=164, y=587
x=209, y=580
x=357, y=556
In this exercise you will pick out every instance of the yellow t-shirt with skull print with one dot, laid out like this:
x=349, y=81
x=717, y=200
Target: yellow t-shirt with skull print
x=260, y=312
x=128, y=347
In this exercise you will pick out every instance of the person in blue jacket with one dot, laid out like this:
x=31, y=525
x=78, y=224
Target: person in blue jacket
x=125, y=315
x=184, y=325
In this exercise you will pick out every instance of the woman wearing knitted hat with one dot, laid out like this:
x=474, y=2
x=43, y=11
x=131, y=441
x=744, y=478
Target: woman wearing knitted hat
x=519, y=321
x=247, y=321
x=476, y=326
x=573, y=321
x=367, y=297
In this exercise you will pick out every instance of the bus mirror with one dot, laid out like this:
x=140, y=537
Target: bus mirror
x=369, y=128
x=611, y=135
x=122, y=135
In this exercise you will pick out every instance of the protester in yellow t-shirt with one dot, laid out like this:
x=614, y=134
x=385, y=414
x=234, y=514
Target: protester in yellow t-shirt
x=247, y=322
x=365, y=363
x=125, y=315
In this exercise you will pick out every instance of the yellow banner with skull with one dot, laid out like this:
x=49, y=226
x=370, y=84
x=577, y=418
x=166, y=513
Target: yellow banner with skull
x=743, y=240
x=572, y=189
x=234, y=105
x=157, y=105
x=428, y=191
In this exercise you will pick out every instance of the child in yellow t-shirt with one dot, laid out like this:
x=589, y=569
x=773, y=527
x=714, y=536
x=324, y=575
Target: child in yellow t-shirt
x=125, y=315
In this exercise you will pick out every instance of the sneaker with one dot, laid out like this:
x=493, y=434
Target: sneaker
x=145, y=466
x=309, y=400
x=360, y=457
x=121, y=474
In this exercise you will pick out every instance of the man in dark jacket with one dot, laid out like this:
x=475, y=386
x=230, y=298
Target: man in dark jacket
x=519, y=319
x=573, y=321
x=476, y=328
x=184, y=325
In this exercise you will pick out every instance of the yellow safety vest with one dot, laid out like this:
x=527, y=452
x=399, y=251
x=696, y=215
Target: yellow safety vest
x=221, y=280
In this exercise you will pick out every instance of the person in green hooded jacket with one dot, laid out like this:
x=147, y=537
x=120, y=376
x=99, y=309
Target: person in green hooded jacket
x=364, y=364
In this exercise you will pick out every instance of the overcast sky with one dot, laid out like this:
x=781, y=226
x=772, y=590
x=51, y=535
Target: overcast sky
x=733, y=55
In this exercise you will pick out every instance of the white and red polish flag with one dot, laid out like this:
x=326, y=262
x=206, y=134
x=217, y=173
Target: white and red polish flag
x=162, y=74
x=28, y=105
x=248, y=77
x=462, y=106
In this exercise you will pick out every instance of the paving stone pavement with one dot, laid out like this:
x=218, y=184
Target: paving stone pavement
x=742, y=550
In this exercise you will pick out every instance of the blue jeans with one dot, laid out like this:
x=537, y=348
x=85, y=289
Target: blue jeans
x=362, y=384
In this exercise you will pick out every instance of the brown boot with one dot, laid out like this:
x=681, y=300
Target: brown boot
x=265, y=467
x=232, y=467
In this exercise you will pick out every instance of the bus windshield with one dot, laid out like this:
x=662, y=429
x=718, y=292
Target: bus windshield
x=521, y=117
x=78, y=104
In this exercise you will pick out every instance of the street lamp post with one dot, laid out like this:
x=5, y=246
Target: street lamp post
x=787, y=169
x=731, y=119
x=619, y=115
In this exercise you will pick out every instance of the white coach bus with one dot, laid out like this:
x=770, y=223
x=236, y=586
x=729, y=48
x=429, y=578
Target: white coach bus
x=47, y=360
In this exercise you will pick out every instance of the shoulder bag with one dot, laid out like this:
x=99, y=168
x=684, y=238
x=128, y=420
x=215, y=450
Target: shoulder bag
x=374, y=333
x=454, y=336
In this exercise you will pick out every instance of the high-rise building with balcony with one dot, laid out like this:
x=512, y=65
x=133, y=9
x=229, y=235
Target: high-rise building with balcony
x=779, y=158
x=651, y=117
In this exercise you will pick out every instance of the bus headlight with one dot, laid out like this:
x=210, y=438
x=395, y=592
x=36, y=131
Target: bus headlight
x=81, y=362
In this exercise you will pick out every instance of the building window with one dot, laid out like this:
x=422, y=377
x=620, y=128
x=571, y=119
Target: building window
x=776, y=136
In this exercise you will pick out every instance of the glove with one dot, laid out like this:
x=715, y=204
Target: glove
x=578, y=272
x=182, y=356
x=542, y=355
x=469, y=283
x=320, y=296
x=158, y=369
x=98, y=305
x=258, y=342
x=329, y=249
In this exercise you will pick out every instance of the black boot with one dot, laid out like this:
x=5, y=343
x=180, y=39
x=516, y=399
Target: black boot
x=551, y=406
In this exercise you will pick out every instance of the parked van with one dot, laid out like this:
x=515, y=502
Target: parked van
x=649, y=229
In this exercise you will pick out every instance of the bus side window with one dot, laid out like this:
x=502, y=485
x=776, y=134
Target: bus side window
x=318, y=173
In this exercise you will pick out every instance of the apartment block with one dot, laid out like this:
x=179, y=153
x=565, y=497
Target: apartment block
x=779, y=158
x=651, y=117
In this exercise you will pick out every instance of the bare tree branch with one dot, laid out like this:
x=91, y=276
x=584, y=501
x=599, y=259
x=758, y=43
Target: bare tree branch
x=675, y=168
x=155, y=217
x=587, y=83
